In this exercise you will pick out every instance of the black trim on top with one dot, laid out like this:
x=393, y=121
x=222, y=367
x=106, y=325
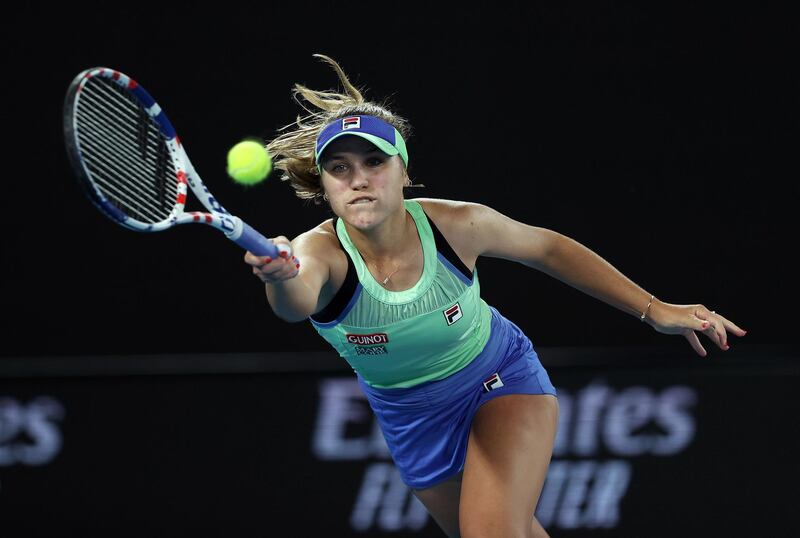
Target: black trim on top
x=345, y=292
x=444, y=248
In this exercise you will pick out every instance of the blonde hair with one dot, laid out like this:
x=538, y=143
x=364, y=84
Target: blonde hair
x=293, y=151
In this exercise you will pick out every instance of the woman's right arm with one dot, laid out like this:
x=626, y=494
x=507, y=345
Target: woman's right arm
x=292, y=293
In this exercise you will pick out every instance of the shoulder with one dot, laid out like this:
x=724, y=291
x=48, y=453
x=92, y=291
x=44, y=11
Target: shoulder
x=454, y=217
x=448, y=212
x=458, y=222
x=475, y=230
x=319, y=242
x=320, y=237
x=442, y=205
x=322, y=257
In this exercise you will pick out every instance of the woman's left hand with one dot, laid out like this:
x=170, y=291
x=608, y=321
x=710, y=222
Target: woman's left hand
x=686, y=319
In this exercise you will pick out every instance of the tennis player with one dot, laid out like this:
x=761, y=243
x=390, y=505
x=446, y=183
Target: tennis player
x=466, y=408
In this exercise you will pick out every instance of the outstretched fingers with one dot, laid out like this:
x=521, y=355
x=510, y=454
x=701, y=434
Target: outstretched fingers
x=730, y=326
x=691, y=336
x=689, y=320
x=716, y=327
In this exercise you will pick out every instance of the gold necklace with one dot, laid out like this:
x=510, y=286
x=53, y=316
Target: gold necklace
x=396, y=268
x=385, y=280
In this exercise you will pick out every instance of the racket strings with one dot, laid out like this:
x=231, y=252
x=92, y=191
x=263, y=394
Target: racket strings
x=112, y=168
x=105, y=141
x=125, y=152
x=131, y=113
x=142, y=147
x=96, y=132
x=125, y=180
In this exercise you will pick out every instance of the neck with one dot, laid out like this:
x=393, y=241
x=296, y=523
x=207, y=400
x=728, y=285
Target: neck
x=389, y=241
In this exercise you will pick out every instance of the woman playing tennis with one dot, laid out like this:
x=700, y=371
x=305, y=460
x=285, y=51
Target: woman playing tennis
x=466, y=408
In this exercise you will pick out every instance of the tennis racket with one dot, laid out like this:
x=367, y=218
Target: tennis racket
x=132, y=165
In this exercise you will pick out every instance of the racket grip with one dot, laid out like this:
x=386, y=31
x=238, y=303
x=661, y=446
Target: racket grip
x=255, y=242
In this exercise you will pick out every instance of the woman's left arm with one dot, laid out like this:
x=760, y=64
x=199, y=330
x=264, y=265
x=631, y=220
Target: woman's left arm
x=490, y=233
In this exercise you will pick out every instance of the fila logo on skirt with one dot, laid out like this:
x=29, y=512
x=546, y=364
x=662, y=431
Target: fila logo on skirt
x=492, y=383
x=453, y=314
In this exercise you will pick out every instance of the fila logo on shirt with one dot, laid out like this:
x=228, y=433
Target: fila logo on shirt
x=453, y=314
x=492, y=383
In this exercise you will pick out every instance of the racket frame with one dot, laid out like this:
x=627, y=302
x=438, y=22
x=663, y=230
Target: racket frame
x=186, y=176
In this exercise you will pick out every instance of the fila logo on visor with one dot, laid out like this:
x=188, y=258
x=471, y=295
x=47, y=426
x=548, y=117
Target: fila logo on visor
x=351, y=123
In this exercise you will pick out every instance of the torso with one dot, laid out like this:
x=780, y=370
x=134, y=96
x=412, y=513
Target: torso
x=443, y=213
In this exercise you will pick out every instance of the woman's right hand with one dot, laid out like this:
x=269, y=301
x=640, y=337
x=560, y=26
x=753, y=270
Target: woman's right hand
x=268, y=270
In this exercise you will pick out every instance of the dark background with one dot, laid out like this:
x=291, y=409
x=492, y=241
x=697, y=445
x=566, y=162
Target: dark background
x=662, y=138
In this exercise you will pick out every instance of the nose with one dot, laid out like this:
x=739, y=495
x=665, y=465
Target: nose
x=359, y=178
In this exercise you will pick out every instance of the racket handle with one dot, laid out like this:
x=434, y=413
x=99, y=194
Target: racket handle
x=251, y=240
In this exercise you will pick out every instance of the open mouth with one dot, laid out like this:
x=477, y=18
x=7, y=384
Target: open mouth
x=360, y=201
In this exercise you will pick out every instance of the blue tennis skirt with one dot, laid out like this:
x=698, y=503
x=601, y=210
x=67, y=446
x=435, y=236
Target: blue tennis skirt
x=427, y=426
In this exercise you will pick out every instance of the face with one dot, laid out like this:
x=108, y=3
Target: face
x=353, y=168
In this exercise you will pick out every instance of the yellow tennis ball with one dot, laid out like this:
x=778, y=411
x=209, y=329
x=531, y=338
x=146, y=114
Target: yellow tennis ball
x=249, y=163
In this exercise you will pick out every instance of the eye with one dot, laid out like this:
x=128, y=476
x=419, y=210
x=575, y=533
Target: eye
x=375, y=161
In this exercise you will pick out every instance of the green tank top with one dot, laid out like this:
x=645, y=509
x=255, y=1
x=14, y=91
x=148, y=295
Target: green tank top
x=396, y=339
